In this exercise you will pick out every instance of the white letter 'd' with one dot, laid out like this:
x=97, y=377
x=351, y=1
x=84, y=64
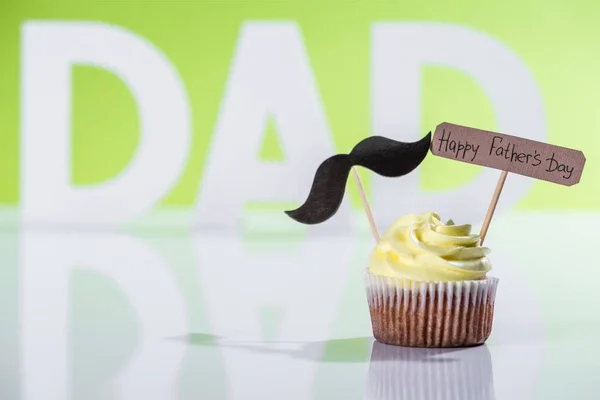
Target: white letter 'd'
x=400, y=51
x=49, y=50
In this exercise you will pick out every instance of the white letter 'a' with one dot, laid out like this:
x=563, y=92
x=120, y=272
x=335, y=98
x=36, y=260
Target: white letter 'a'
x=49, y=50
x=270, y=77
x=400, y=51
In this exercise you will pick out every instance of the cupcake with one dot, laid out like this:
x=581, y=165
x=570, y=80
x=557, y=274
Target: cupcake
x=427, y=285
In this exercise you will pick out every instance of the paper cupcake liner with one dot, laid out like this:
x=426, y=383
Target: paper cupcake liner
x=422, y=314
x=444, y=374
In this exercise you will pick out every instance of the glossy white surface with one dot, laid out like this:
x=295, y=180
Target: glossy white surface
x=275, y=315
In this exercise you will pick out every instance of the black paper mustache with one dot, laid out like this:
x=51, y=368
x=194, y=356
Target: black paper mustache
x=381, y=155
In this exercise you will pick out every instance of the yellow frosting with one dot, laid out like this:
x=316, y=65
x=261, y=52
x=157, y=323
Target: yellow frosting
x=422, y=248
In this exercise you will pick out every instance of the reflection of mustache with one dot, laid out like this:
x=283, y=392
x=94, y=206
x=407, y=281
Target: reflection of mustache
x=381, y=155
x=399, y=373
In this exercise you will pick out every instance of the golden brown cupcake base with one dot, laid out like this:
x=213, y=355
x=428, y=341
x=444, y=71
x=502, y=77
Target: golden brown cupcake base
x=445, y=314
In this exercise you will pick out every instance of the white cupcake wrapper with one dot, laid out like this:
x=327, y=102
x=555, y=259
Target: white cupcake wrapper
x=429, y=314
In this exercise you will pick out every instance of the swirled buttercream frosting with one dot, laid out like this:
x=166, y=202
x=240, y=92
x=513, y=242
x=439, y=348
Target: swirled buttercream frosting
x=423, y=248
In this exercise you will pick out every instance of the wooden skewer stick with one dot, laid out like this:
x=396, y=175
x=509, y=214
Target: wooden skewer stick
x=365, y=203
x=492, y=207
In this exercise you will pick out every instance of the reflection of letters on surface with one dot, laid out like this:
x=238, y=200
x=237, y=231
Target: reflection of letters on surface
x=304, y=280
x=46, y=264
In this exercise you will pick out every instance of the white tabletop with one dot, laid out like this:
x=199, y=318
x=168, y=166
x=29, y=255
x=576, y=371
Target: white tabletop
x=281, y=315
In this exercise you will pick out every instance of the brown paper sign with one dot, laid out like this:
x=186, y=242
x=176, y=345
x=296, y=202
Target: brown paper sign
x=509, y=153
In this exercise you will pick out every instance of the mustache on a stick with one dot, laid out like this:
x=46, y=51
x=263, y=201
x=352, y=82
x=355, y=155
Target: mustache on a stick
x=385, y=157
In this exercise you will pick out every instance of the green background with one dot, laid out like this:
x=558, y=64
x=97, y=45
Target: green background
x=555, y=39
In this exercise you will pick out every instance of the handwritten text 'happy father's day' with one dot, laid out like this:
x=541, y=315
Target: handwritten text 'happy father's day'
x=499, y=147
x=508, y=153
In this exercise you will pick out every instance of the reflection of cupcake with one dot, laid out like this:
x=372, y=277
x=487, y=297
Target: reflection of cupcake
x=427, y=285
x=418, y=374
